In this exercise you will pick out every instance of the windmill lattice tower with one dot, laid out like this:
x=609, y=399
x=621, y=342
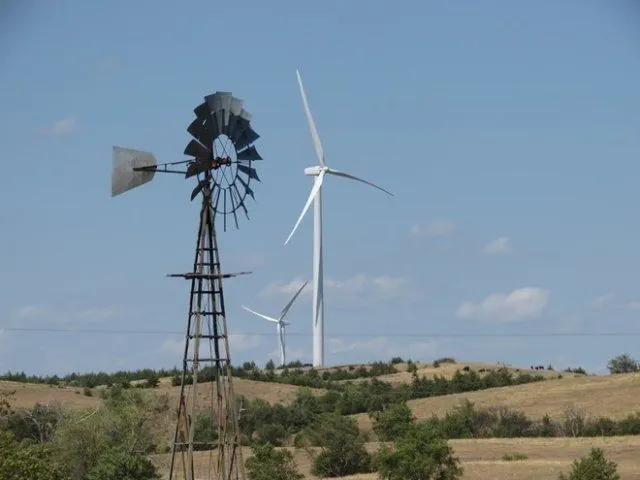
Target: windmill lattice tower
x=222, y=157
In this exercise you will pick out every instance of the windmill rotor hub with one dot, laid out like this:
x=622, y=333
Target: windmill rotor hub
x=219, y=162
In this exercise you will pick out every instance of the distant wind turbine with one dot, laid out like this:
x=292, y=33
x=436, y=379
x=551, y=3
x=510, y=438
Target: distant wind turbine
x=280, y=323
x=319, y=171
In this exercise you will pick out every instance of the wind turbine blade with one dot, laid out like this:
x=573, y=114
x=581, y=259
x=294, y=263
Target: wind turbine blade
x=312, y=126
x=285, y=310
x=353, y=177
x=271, y=319
x=314, y=191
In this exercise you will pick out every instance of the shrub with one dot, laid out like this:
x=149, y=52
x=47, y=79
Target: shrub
x=119, y=464
x=87, y=392
x=205, y=431
x=594, y=466
x=393, y=422
x=574, y=422
x=267, y=463
x=623, y=364
x=342, y=447
x=422, y=454
x=511, y=457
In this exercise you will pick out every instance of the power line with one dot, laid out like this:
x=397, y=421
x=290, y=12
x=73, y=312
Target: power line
x=360, y=335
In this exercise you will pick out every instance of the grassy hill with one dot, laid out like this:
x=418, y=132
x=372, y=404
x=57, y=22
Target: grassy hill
x=26, y=395
x=613, y=396
x=483, y=459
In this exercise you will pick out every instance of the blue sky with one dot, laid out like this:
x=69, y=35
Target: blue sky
x=509, y=133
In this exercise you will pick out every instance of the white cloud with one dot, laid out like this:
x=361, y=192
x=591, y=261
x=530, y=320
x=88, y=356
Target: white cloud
x=499, y=246
x=237, y=342
x=602, y=300
x=173, y=347
x=437, y=228
x=634, y=305
x=30, y=311
x=384, y=347
x=356, y=287
x=390, y=286
x=243, y=341
x=293, y=354
x=35, y=314
x=62, y=127
x=520, y=304
x=290, y=288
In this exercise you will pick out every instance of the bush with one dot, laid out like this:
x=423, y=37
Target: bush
x=393, y=422
x=267, y=463
x=28, y=461
x=512, y=457
x=118, y=464
x=205, y=431
x=594, y=466
x=623, y=364
x=422, y=454
x=342, y=447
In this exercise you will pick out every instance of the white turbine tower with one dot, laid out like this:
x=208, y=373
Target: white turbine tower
x=319, y=171
x=280, y=323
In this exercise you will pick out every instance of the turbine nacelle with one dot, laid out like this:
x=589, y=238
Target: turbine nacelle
x=315, y=171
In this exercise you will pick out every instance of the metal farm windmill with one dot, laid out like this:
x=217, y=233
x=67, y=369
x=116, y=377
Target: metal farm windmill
x=221, y=154
x=280, y=323
x=319, y=171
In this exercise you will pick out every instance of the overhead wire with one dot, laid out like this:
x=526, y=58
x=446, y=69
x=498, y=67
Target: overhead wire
x=300, y=334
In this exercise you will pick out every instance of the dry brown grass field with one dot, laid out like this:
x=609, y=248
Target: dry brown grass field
x=612, y=396
x=25, y=395
x=482, y=459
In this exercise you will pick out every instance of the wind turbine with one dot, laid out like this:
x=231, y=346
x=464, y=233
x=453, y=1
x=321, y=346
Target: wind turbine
x=319, y=171
x=280, y=323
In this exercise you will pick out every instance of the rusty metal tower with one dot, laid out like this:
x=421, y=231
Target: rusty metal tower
x=221, y=156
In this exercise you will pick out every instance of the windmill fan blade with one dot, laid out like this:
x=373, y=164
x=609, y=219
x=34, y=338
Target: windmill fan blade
x=236, y=109
x=353, y=177
x=246, y=187
x=204, y=133
x=199, y=188
x=249, y=154
x=248, y=137
x=217, y=103
x=199, y=166
x=249, y=171
x=197, y=150
x=202, y=112
x=314, y=191
x=226, y=109
x=241, y=201
x=312, y=126
x=242, y=122
x=123, y=175
x=285, y=310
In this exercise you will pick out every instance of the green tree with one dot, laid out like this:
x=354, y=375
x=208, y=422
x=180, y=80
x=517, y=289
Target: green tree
x=593, y=467
x=423, y=454
x=21, y=461
x=152, y=381
x=267, y=463
x=342, y=446
x=623, y=364
x=393, y=422
x=119, y=464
